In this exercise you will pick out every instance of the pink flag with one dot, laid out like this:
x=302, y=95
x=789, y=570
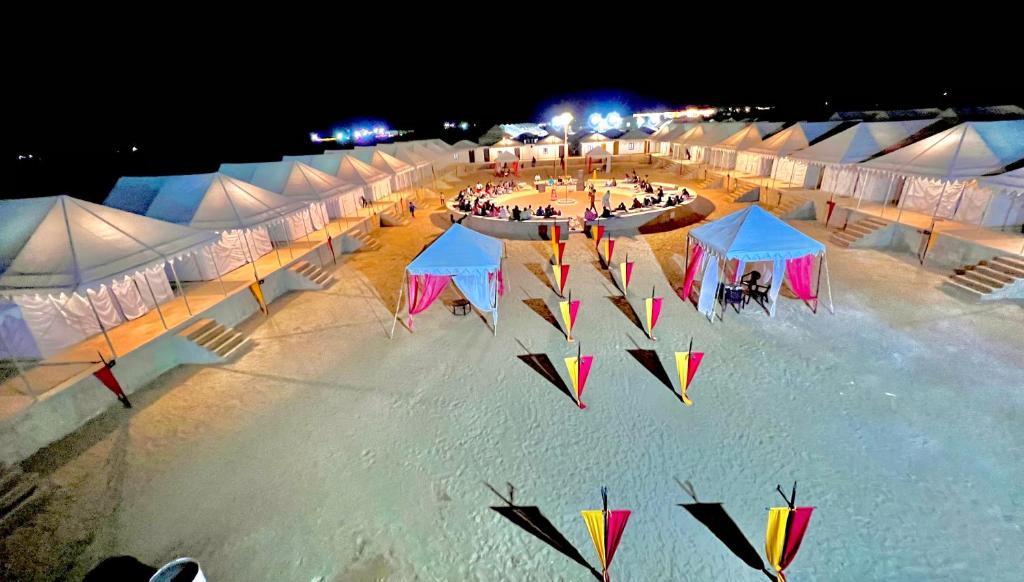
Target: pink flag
x=691, y=271
x=691, y=366
x=585, y=363
x=617, y=519
x=599, y=235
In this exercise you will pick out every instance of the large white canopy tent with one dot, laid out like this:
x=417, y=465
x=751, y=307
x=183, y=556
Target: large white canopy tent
x=72, y=269
x=724, y=153
x=837, y=156
x=696, y=143
x=462, y=256
x=763, y=159
x=461, y=151
x=932, y=176
x=423, y=163
x=375, y=185
x=995, y=201
x=402, y=175
x=549, y=148
x=328, y=197
x=599, y=157
x=246, y=216
x=506, y=145
x=591, y=141
x=753, y=235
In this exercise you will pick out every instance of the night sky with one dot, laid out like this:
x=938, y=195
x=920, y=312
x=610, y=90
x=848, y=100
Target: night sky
x=188, y=108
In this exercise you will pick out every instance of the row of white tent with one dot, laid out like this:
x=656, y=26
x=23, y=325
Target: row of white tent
x=71, y=269
x=966, y=172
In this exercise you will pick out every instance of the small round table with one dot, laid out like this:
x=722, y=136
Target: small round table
x=460, y=307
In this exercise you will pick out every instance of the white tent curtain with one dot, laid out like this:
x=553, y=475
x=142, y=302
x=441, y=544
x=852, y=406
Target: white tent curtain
x=840, y=180
x=990, y=207
x=875, y=186
x=129, y=297
x=932, y=196
x=230, y=252
x=16, y=339
x=754, y=164
x=797, y=172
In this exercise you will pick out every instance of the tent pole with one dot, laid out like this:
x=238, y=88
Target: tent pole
x=828, y=285
x=17, y=365
x=888, y=193
x=216, y=270
x=182, y=287
x=686, y=258
x=252, y=255
x=817, y=286
x=153, y=295
x=103, y=328
x=310, y=242
x=401, y=289
x=935, y=212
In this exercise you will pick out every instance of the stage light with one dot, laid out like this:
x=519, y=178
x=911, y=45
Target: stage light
x=562, y=120
x=614, y=119
x=464, y=126
x=315, y=137
x=596, y=119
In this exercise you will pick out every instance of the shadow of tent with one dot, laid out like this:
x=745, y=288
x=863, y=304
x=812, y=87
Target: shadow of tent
x=540, y=307
x=541, y=364
x=714, y=517
x=530, y=518
x=649, y=359
x=626, y=308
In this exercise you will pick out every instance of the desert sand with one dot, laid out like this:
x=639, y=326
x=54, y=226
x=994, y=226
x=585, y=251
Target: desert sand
x=331, y=452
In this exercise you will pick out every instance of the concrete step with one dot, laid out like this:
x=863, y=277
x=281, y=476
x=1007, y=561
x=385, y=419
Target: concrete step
x=313, y=273
x=877, y=222
x=232, y=345
x=219, y=340
x=1004, y=266
x=210, y=335
x=225, y=335
x=992, y=273
x=198, y=328
x=1013, y=262
x=861, y=229
x=992, y=282
x=844, y=236
x=962, y=291
x=971, y=283
x=9, y=477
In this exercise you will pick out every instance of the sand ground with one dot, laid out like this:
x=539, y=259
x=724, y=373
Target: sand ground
x=330, y=452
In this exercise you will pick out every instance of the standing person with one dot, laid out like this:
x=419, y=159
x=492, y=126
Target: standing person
x=412, y=209
x=591, y=194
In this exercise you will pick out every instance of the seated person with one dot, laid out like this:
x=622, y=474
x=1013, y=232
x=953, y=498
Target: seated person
x=649, y=189
x=503, y=213
x=589, y=214
x=515, y=213
x=614, y=183
x=621, y=207
x=686, y=194
x=606, y=213
x=636, y=204
x=540, y=212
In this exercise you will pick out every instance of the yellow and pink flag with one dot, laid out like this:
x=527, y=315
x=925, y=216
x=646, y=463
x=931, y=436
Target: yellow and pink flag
x=605, y=527
x=257, y=292
x=609, y=248
x=556, y=243
x=786, y=529
x=625, y=274
x=579, y=370
x=561, y=276
x=653, y=311
x=686, y=366
x=598, y=234
x=557, y=252
x=569, y=311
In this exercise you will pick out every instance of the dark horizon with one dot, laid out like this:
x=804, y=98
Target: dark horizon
x=185, y=116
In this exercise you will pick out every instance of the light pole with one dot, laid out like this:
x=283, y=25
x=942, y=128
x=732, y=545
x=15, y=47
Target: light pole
x=563, y=120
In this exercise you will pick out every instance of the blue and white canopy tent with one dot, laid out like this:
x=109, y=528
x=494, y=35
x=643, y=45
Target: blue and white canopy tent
x=463, y=256
x=753, y=235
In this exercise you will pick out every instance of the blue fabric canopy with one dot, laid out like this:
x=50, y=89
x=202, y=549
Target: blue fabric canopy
x=459, y=251
x=754, y=234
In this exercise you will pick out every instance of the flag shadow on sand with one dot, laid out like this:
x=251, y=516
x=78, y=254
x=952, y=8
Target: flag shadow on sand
x=532, y=520
x=623, y=305
x=652, y=363
x=542, y=364
x=541, y=308
x=718, y=521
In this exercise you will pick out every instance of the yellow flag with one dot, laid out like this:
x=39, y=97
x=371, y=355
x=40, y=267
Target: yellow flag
x=683, y=368
x=573, y=365
x=594, y=519
x=257, y=292
x=775, y=537
x=564, y=308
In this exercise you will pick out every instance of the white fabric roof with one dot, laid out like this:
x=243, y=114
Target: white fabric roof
x=708, y=134
x=1008, y=180
x=288, y=178
x=754, y=234
x=635, y=134
x=594, y=137
x=750, y=136
x=61, y=243
x=465, y=144
x=795, y=137
x=598, y=154
x=968, y=150
x=506, y=142
x=209, y=201
x=862, y=141
x=506, y=157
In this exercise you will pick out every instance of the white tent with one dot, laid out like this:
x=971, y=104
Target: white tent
x=421, y=163
x=761, y=160
x=246, y=216
x=724, y=153
x=994, y=201
x=634, y=141
x=836, y=157
x=505, y=145
x=401, y=174
x=506, y=158
x=598, y=157
x=465, y=152
x=549, y=148
x=329, y=197
x=349, y=170
x=932, y=175
x=751, y=235
x=591, y=141
x=696, y=143
x=74, y=269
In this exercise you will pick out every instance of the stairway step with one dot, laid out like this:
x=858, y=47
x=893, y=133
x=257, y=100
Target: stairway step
x=9, y=477
x=859, y=230
x=845, y=235
x=963, y=290
x=17, y=494
x=992, y=282
x=229, y=346
x=218, y=341
x=977, y=286
x=198, y=328
x=875, y=221
x=993, y=273
x=210, y=335
x=1015, y=262
x=1008, y=267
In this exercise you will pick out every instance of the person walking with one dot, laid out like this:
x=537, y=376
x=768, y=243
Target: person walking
x=412, y=209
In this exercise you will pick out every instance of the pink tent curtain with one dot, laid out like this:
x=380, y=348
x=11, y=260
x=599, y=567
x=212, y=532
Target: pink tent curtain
x=798, y=275
x=424, y=290
x=501, y=281
x=691, y=270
